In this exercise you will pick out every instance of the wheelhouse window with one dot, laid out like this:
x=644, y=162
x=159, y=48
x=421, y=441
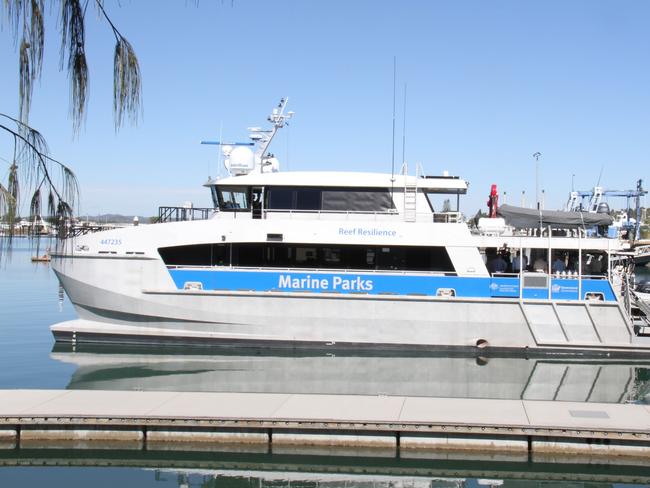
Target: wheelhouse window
x=215, y=197
x=233, y=198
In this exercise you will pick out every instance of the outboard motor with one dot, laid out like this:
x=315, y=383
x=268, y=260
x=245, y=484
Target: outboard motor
x=603, y=208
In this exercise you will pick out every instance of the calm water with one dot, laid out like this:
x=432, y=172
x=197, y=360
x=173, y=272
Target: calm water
x=30, y=301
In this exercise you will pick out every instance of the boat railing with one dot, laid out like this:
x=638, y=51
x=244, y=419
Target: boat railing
x=448, y=217
x=602, y=276
x=325, y=213
x=314, y=270
x=82, y=230
x=182, y=214
x=441, y=217
x=509, y=231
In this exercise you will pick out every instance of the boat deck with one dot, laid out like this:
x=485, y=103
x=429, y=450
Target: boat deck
x=386, y=422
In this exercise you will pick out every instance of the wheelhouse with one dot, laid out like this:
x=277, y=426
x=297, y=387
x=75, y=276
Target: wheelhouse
x=270, y=195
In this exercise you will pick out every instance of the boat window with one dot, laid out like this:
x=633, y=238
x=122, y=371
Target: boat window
x=306, y=257
x=283, y=255
x=357, y=200
x=215, y=198
x=280, y=198
x=308, y=199
x=332, y=256
x=442, y=202
x=594, y=263
x=196, y=255
x=330, y=199
x=248, y=255
x=233, y=198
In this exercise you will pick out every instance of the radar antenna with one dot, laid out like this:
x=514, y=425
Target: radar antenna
x=264, y=137
x=238, y=160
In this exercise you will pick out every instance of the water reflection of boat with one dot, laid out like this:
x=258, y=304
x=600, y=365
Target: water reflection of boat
x=464, y=376
x=273, y=470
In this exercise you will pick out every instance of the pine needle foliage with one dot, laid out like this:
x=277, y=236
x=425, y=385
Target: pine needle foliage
x=25, y=18
x=126, y=83
x=73, y=41
x=126, y=77
x=26, y=22
x=32, y=174
x=33, y=171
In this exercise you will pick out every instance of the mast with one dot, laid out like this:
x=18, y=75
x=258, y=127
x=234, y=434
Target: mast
x=263, y=137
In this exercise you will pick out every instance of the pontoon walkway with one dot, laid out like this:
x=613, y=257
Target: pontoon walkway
x=387, y=422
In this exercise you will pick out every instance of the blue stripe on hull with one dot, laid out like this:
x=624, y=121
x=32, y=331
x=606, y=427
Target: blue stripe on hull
x=375, y=284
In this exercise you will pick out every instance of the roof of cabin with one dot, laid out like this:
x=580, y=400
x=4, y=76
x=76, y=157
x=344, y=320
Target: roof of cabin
x=342, y=179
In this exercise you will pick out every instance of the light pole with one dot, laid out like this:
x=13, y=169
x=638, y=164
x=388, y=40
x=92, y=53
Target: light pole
x=573, y=179
x=536, y=156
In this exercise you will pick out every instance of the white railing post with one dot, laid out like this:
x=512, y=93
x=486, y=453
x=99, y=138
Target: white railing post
x=549, y=268
x=521, y=269
x=579, y=264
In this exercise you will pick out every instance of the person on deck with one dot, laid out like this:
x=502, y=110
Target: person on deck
x=497, y=264
x=540, y=265
x=517, y=262
x=558, y=265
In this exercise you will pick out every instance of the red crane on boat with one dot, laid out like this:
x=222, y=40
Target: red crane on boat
x=493, y=202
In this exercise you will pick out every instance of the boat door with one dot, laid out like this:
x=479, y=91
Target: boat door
x=257, y=199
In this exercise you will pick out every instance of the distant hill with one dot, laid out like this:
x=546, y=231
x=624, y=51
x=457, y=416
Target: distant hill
x=113, y=218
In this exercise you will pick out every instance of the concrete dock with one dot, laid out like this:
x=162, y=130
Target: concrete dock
x=392, y=423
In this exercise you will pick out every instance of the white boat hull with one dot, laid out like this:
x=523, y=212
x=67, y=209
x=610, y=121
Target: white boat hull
x=134, y=300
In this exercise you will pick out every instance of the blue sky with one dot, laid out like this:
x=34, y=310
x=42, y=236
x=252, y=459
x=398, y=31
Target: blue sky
x=489, y=84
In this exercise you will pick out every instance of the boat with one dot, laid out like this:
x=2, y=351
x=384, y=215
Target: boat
x=348, y=260
x=642, y=291
x=43, y=258
x=642, y=253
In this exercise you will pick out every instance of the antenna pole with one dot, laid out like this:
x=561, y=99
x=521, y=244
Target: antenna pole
x=404, y=129
x=600, y=175
x=392, y=163
x=536, y=156
x=220, y=156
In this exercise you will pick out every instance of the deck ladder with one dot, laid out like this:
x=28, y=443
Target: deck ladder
x=410, y=196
